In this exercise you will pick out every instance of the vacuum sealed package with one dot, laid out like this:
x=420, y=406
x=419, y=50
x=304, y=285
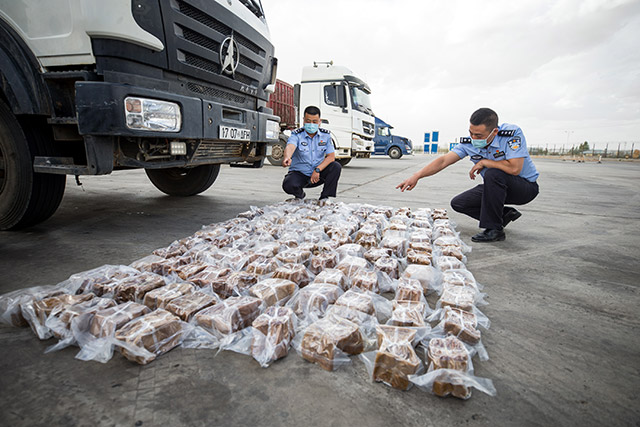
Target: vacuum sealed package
x=462, y=297
x=60, y=320
x=135, y=287
x=187, y=305
x=409, y=290
x=160, y=297
x=297, y=273
x=323, y=261
x=272, y=333
x=463, y=325
x=395, y=358
x=149, y=336
x=366, y=302
x=329, y=341
x=230, y=315
x=451, y=371
x=10, y=311
x=444, y=263
x=36, y=312
x=94, y=334
x=311, y=302
x=460, y=277
x=429, y=277
x=408, y=313
x=274, y=291
x=351, y=265
x=334, y=277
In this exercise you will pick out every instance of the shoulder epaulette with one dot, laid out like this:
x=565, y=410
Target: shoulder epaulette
x=298, y=130
x=506, y=132
x=323, y=130
x=465, y=140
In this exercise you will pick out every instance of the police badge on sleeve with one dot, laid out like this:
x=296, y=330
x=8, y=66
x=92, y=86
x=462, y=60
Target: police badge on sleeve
x=514, y=143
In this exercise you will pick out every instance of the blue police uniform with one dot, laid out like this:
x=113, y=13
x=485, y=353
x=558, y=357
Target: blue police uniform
x=310, y=152
x=486, y=202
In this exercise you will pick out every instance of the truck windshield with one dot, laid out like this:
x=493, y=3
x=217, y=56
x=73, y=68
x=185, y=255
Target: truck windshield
x=384, y=131
x=361, y=100
x=255, y=6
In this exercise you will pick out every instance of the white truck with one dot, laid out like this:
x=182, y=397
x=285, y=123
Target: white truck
x=176, y=87
x=345, y=106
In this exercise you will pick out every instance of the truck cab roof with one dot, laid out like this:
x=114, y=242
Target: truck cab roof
x=332, y=73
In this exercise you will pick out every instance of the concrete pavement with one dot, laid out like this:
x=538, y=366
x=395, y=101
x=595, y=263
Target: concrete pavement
x=563, y=294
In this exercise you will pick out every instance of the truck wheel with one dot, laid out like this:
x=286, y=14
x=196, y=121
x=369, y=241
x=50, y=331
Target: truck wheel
x=184, y=182
x=277, y=152
x=344, y=162
x=26, y=198
x=395, y=153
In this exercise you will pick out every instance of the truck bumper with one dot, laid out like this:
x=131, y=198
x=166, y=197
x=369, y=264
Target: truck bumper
x=101, y=113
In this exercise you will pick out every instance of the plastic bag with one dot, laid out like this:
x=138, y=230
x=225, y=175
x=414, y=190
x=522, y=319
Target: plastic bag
x=230, y=315
x=311, y=302
x=151, y=335
x=274, y=291
x=429, y=277
x=272, y=333
x=94, y=332
x=445, y=382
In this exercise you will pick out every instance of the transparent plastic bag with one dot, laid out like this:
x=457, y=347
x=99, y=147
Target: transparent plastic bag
x=274, y=291
x=446, y=382
x=272, y=333
x=311, y=302
x=147, y=337
x=429, y=277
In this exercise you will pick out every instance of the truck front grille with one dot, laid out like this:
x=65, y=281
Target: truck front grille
x=216, y=93
x=199, y=29
x=217, y=149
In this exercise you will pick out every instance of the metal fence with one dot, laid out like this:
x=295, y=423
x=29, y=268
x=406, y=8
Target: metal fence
x=617, y=150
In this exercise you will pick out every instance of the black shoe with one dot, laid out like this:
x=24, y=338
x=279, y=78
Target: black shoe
x=489, y=235
x=510, y=216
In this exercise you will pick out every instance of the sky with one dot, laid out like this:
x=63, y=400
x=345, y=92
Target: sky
x=565, y=71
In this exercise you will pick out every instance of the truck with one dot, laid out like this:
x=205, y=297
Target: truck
x=345, y=106
x=176, y=87
x=388, y=144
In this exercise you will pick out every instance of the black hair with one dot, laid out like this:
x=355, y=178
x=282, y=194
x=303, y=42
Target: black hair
x=312, y=110
x=485, y=116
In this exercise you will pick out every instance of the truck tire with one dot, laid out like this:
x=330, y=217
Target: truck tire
x=344, y=162
x=26, y=198
x=184, y=182
x=277, y=151
x=395, y=152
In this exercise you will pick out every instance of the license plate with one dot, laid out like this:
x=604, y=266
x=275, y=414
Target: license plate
x=235, y=134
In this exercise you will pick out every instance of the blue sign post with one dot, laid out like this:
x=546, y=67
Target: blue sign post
x=431, y=137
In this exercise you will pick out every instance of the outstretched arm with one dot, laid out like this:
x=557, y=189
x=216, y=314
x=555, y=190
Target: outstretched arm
x=288, y=152
x=430, y=169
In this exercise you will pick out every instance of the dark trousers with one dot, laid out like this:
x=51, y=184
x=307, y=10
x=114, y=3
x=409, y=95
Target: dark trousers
x=486, y=202
x=294, y=182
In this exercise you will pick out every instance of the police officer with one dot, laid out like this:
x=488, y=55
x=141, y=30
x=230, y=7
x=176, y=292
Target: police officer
x=500, y=155
x=311, y=158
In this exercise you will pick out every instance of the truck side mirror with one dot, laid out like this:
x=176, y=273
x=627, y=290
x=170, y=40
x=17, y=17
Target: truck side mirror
x=342, y=98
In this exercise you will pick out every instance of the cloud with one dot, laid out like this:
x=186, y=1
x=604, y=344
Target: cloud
x=548, y=66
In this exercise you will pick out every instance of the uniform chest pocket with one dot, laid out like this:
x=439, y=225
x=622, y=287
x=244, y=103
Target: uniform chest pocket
x=303, y=148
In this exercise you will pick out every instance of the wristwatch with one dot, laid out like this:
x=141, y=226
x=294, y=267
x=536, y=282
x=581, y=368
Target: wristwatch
x=317, y=170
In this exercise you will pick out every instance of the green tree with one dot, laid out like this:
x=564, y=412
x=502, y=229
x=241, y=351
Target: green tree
x=584, y=147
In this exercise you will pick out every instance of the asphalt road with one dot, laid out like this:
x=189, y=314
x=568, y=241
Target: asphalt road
x=563, y=294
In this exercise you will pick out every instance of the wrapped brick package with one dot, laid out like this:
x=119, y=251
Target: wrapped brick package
x=325, y=340
x=149, y=336
x=408, y=313
x=297, y=273
x=230, y=315
x=106, y=322
x=333, y=276
x=449, y=353
x=160, y=297
x=462, y=324
x=187, y=305
x=273, y=331
x=134, y=288
x=395, y=359
x=274, y=291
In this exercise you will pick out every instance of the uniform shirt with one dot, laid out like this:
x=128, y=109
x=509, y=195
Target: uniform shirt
x=310, y=152
x=509, y=143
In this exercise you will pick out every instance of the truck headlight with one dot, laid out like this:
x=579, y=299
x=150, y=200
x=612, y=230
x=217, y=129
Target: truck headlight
x=273, y=130
x=152, y=114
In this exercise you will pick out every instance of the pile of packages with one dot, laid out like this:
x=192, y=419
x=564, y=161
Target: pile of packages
x=329, y=280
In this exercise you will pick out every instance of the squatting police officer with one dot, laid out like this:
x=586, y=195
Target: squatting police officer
x=500, y=155
x=311, y=159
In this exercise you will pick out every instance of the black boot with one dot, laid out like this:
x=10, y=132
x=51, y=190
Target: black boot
x=489, y=235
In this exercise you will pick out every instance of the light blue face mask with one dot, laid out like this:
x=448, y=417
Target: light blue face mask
x=311, y=128
x=480, y=143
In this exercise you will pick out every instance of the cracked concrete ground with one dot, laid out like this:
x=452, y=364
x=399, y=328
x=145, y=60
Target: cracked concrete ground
x=563, y=294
